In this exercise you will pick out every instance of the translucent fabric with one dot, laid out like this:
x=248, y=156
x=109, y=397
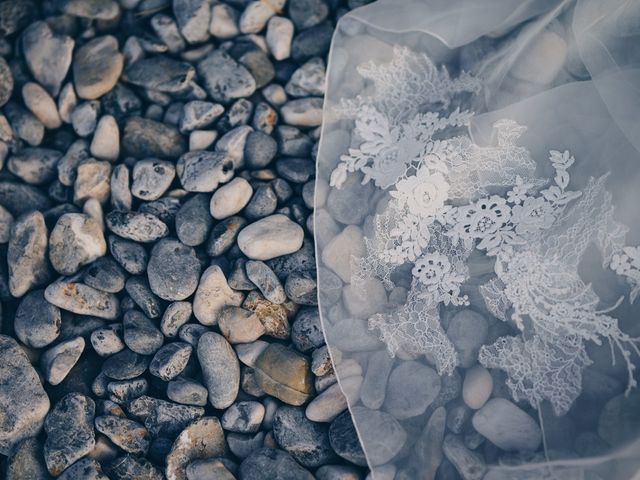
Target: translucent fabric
x=477, y=236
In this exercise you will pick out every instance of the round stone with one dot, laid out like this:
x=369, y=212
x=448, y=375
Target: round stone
x=230, y=198
x=271, y=237
x=220, y=369
x=37, y=322
x=97, y=65
x=75, y=241
x=151, y=178
x=170, y=360
x=477, y=387
x=173, y=270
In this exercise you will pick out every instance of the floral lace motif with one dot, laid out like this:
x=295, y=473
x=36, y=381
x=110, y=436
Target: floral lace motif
x=449, y=197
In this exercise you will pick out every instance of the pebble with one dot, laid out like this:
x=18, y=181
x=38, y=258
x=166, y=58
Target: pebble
x=174, y=317
x=84, y=469
x=37, y=322
x=136, y=226
x=272, y=463
x=301, y=288
x=34, y=165
x=123, y=364
x=130, y=255
x=173, y=270
x=187, y=392
x=306, y=332
x=163, y=419
x=202, y=139
x=303, y=112
x=105, y=144
x=470, y=465
x=26, y=461
x=308, y=80
x=266, y=280
x=199, y=114
x=274, y=318
x=67, y=101
x=279, y=37
x=6, y=82
x=193, y=221
x=125, y=391
x=76, y=240
x=193, y=18
x=263, y=203
x=41, y=105
x=58, y=361
x=106, y=275
x=259, y=150
x=152, y=178
x=230, y=198
x=84, y=118
x=350, y=203
x=92, y=9
x=26, y=254
x=160, y=74
x=224, y=22
x=6, y=222
x=48, y=56
x=212, y=295
x=167, y=29
x=379, y=424
x=284, y=373
x=224, y=79
x=202, y=439
x=467, y=331
x=344, y=439
x=203, y=171
x=477, y=387
x=138, y=289
x=243, y=417
x=145, y=138
x=23, y=401
x=270, y=237
x=332, y=402
x=507, y=426
x=140, y=333
x=239, y=325
x=127, y=467
x=69, y=429
x=307, y=13
x=170, y=360
x=220, y=369
x=127, y=434
x=97, y=65
x=312, y=42
x=93, y=181
x=619, y=421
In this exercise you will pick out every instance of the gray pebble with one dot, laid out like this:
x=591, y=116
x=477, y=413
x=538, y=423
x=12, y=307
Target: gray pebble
x=132, y=256
x=350, y=204
x=220, y=369
x=6, y=222
x=308, y=80
x=34, y=165
x=272, y=463
x=136, y=226
x=76, y=240
x=140, y=334
x=312, y=42
x=173, y=270
x=411, y=388
x=84, y=118
x=239, y=325
x=193, y=17
x=301, y=288
x=105, y=274
x=167, y=29
x=37, y=322
x=124, y=365
x=160, y=73
x=127, y=434
x=174, y=317
x=263, y=203
x=193, y=220
x=191, y=333
x=279, y=37
x=123, y=391
x=224, y=78
x=26, y=254
x=470, y=465
x=208, y=469
x=170, y=360
x=243, y=417
x=26, y=461
x=266, y=281
x=199, y=114
x=6, y=82
x=128, y=467
x=145, y=138
x=67, y=166
x=224, y=234
x=100, y=10
x=25, y=125
x=306, y=331
x=151, y=178
x=163, y=418
x=84, y=469
x=57, y=361
x=187, y=392
x=164, y=208
x=203, y=171
x=259, y=150
x=138, y=289
x=270, y=237
x=82, y=299
x=265, y=118
x=467, y=331
x=97, y=65
x=307, y=13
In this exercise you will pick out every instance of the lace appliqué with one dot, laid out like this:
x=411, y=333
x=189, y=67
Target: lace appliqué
x=449, y=196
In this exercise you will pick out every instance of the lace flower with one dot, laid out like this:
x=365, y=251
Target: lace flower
x=431, y=269
x=424, y=193
x=533, y=215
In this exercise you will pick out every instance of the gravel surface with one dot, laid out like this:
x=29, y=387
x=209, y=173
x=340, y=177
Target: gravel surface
x=158, y=283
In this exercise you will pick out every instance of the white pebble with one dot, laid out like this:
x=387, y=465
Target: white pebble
x=477, y=387
x=224, y=22
x=279, y=37
x=106, y=139
x=38, y=100
x=230, y=198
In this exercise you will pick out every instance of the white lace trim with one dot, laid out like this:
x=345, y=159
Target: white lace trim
x=449, y=197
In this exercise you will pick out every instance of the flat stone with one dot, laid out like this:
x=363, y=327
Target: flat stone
x=136, y=226
x=93, y=180
x=203, y=171
x=332, y=402
x=477, y=387
x=378, y=424
x=220, y=369
x=279, y=37
x=284, y=374
x=37, y=322
x=224, y=235
x=344, y=439
x=97, y=65
x=163, y=418
x=82, y=299
x=272, y=463
x=411, y=388
x=127, y=434
x=187, y=392
x=132, y=256
x=106, y=275
x=193, y=17
x=170, y=360
x=58, y=360
x=306, y=441
x=48, y=56
x=40, y=103
x=239, y=325
x=76, y=240
x=202, y=439
x=225, y=79
x=199, y=114
x=92, y=9
x=26, y=254
x=23, y=401
x=266, y=280
x=141, y=334
x=152, y=178
x=160, y=73
x=125, y=364
x=105, y=144
x=145, y=138
x=69, y=429
x=270, y=237
x=173, y=270
x=212, y=295
x=230, y=199
x=507, y=426
x=243, y=417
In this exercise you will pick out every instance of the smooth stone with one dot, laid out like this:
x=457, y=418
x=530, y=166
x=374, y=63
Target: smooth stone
x=40, y=103
x=266, y=280
x=58, y=360
x=302, y=288
x=69, y=429
x=270, y=237
x=239, y=325
x=411, y=388
x=378, y=424
x=279, y=37
x=23, y=401
x=48, y=56
x=174, y=317
x=202, y=139
x=97, y=65
x=92, y=9
x=272, y=463
x=140, y=333
x=193, y=18
x=507, y=426
x=84, y=118
x=198, y=114
x=243, y=417
x=263, y=203
x=220, y=369
x=75, y=241
x=127, y=434
x=477, y=387
x=187, y=392
x=259, y=150
x=210, y=469
x=67, y=166
x=82, y=299
x=350, y=203
x=224, y=235
x=124, y=391
x=130, y=255
x=37, y=322
x=225, y=79
x=307, y=13
x=144, y=138
x=136, y=226
x=191, y=333
x=26, y=461
x=283, y=373
x=467, y=331
x=6, y=222
x=619, y=419
x=233, y=142
x=341, y=249
x=105, y=144
x=352, y=335
x=93, y=180
x=193, y=221
x=255, y=17
x=105, y=274
x=203, y=171
x=67, y=102
x=469, y=464
x=24, y=124
x=26, y=254
x=308, y=80
x=124, y=364
x=173, y=270
x=170, y=360
x=343, y=438
x=312, y=42
x=332, y=402
x=212, y=295
x=163, y=419
x=108, y=341
x=303, y=112
x=164, y=208
x=34, y=165
x=151, y=178
x=224, y=22
x=338, y=472
x=160, y=74
x=306, y=331
x=141, y=295
x=230, y=199
x=167, y=29
x=202, y=439
x=84, y=469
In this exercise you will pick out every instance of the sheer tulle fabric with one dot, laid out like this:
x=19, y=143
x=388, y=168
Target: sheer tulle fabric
x=527, y=111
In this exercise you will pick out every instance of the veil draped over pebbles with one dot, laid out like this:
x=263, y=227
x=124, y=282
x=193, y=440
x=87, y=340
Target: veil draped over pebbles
x=521, y=99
